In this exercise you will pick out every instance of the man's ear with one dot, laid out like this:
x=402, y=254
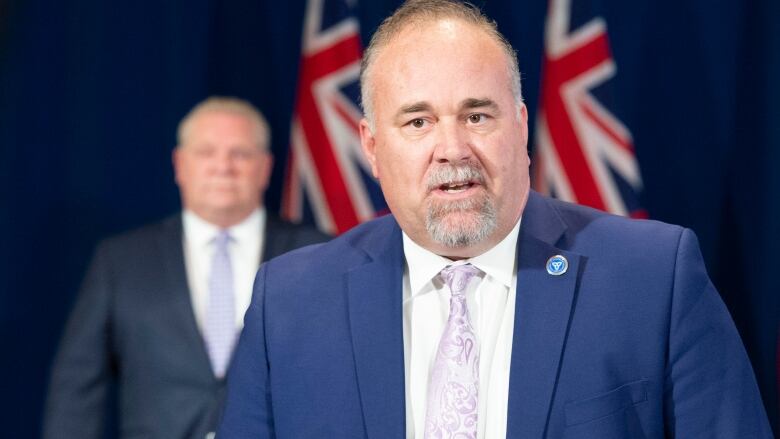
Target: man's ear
x=523, y=116
x=368, y=143
x=267, y=168
x=175, y=159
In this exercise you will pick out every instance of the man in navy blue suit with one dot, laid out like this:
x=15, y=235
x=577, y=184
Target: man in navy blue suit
x=478, y=308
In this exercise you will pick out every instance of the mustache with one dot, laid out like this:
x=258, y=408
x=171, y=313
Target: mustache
x=448, y=173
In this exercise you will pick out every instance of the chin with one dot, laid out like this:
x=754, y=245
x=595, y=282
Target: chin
x=224, y=207
x=458, y=230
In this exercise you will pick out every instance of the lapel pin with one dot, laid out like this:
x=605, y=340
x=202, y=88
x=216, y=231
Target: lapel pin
x=557, y=265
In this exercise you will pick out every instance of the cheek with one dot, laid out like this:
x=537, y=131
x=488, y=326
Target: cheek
x=196, y=172
x=505, y=154
x=513, y=174
x=188, y=177
x=401, y=174
x=248, y=170
x=401, y=167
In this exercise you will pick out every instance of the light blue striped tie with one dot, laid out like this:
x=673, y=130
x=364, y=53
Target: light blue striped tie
x=220, y=331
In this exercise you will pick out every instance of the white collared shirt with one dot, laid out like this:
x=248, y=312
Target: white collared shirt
x=245, y=248
x=491, y=305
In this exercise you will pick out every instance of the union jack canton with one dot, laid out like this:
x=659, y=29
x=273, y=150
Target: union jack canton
x=583, y=154
x=327, y=176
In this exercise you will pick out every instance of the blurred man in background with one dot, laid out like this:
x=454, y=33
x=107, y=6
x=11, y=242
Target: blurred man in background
x=161, y=306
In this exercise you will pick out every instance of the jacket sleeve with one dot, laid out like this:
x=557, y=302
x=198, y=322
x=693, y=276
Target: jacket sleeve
x=710, y=390
x=247, y=412
x=82, y=370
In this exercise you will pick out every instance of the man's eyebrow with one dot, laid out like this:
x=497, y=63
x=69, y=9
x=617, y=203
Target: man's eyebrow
x=416, y=107
x=472, y=103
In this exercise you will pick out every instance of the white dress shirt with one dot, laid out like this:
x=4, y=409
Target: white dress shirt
x=245, y=247
x=491, y=305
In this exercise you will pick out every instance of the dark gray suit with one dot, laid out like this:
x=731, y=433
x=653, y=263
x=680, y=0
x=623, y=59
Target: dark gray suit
x=133, y=325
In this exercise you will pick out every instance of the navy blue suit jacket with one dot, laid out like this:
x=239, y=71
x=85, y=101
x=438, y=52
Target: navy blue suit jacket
x=632, y=341
x=133, y=325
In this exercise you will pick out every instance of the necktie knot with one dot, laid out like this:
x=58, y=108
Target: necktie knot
x=222, y=240
x=458, y=277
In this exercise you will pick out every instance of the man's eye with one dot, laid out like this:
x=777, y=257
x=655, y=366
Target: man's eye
x=417, y=123
x=477, y=118
x=204, y=152
x=241, y=154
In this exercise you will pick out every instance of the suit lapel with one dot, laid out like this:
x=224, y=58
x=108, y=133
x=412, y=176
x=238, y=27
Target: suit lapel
x=182, y=315
x=542, y=313
x=374, y=293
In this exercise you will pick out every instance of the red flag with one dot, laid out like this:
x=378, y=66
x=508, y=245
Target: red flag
x=583, y=154
x=326, y=170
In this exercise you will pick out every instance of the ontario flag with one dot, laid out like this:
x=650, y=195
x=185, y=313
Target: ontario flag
x=327, y=177
x=583, y=153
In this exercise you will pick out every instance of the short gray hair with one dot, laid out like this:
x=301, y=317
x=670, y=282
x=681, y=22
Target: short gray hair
x=420, y=11
x=223, y=104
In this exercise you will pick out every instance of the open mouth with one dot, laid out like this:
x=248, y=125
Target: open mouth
x=456, y=181
x=456, y=187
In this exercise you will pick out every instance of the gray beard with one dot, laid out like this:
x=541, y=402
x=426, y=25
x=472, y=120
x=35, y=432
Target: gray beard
x=459, y=224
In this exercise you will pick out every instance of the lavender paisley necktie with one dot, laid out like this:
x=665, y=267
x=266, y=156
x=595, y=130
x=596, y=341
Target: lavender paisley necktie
x=220, y=327
x=454, y=382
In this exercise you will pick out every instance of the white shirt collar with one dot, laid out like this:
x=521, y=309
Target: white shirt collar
x=498, y=262
x=201, y=232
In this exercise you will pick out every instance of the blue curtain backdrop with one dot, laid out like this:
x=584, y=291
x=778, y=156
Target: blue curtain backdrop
x=91, y=92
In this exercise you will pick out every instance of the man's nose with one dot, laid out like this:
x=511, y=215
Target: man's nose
x=223, y=162
x=453, y=143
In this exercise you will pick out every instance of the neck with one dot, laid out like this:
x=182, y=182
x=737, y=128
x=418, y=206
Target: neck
x=224, y=219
